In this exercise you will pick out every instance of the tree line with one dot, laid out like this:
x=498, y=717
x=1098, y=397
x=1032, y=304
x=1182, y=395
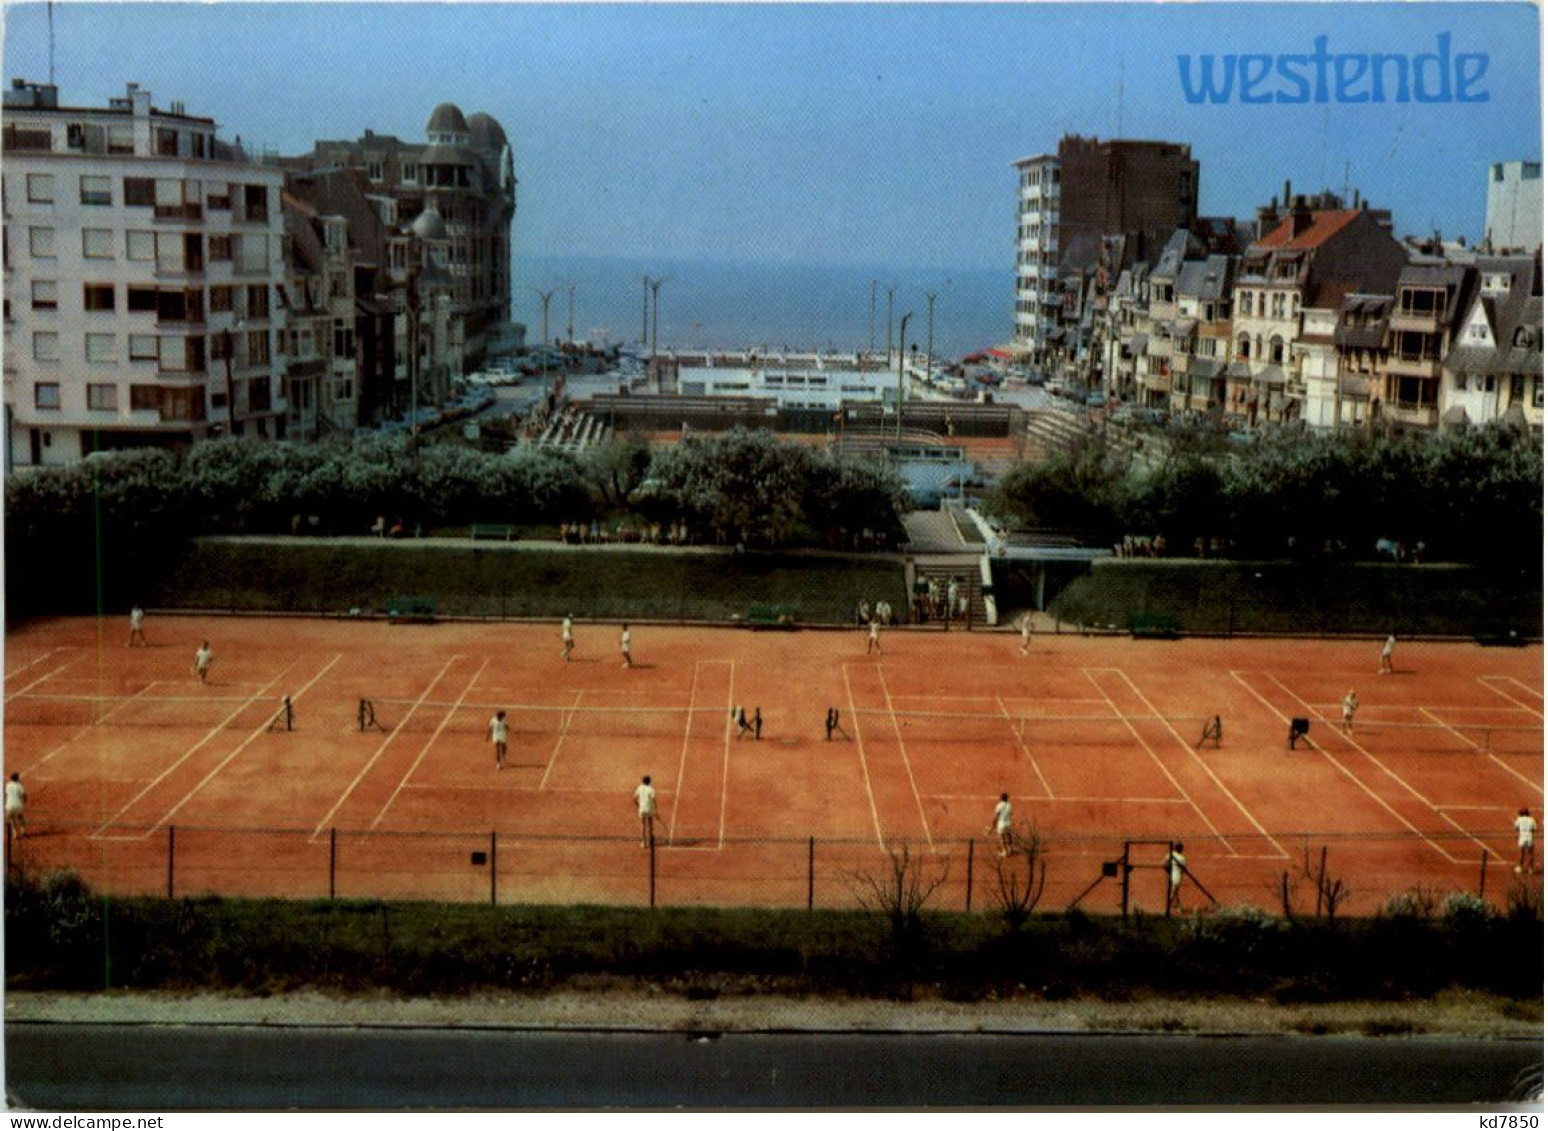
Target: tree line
x=1473, y=495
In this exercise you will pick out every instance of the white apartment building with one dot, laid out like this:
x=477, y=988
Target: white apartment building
x=1038, y=297
x=1513, y=217
x=144, y=271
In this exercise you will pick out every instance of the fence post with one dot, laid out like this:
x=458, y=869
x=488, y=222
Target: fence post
x=171, y=856
x=1483, y=872
x=494, y=871
x=969, y=904
x=333, y=862
x=811, y=871
x=653, y=869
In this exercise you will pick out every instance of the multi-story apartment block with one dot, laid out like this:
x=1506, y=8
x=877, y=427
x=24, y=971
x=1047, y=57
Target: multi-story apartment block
x=144, y=259
x=462, y=178
x=1203, y=330
x=1310, y=259
x=1428, y=304
x=1037, y=253
x=1513, y=218
x=1494, y=368
x=1144, y=189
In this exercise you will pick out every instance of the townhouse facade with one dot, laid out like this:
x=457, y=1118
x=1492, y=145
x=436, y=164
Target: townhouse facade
x=144, y=261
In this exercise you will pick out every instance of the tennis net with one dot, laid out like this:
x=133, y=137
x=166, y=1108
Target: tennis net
x=420, y=716
x=1092, y=729
x=190, y=712
x=1445, y=738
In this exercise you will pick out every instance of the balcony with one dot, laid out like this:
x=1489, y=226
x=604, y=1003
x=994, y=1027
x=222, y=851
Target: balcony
x=1412, y=414
x=179, y=212
x=1413, y=365
x=1415, y=321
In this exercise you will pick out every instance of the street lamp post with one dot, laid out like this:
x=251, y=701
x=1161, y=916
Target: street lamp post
x=890, y=291
x=546, y=296
x=645, y=310
x=930, y=296
x=655, y=313
x=902, y=337
x=870, y=341
x=569, y=331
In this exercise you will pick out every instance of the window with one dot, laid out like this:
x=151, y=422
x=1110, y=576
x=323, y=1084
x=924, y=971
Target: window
x=221, y=299
x=258, y=398
x=40, y=188
x=219, y=198
x=220, y=247
x=96, y=190
x=101, y=347
x=140, y=247
x=46, y=395
x=45, y=345
x=258, y=347
x=344, y=389
x=139, y=191
x=97, y=243
x=143, y=347
x=97, y=296
x=143, y=300
x=45, y=294
x=120, y=139
x=256, y=200
x=374, y=170
x=102, y=398
x=343, y=339
x=411, y=174
x=40, y=241
x=258, y=301
x=1276, y=350
x=166, y=142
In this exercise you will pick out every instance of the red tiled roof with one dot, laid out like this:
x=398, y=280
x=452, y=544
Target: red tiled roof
x=1323, y=225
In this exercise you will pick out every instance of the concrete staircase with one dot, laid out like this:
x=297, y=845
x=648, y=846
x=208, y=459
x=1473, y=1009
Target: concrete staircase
x=1053, y=430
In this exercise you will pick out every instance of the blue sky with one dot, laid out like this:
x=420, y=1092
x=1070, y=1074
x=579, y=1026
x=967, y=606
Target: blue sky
x=846, y=134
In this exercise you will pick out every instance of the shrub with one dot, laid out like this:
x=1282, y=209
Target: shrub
x=1463, y=909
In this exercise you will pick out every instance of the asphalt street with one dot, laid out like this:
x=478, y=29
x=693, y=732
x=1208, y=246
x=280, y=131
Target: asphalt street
x=53, y=1066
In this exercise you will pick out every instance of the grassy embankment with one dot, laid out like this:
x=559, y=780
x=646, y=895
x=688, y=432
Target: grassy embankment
x=59, y=936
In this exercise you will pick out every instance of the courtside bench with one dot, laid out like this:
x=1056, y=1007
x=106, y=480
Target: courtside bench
x=410, y=610
x=1154, y=627
x=501, y=530
x=771, y=616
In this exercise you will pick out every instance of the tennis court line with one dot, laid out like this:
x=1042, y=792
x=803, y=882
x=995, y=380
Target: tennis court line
x=1193, y=753
x=907, y=765
x=1025, y=749
x=682, y=757
x=978, y=797
x=12, y=673
x=1487, y=753
x=1340, y=767
x=83, y=729
x=1485, y=680
x=865, y=772
x=41, y=679
x=725, y=762
x=1177, y=785
x=349, y=789
x=1394, y=775
x=425, y=749
x=564, y=732
x=192, y=750
x=224, y=762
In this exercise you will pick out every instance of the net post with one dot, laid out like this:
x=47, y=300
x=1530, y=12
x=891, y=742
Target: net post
x=652, y=866
x=1124, y=898
x=360, y=714
x=968, y=903
x=333, y=863
x=1322, y=877
x=171, y=857
x=494, y=870
x=811, y=871
x=1483, y=872
x=289, y=713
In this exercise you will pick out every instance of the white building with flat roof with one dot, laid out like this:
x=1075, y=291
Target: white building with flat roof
x=1514, y=211
x=1037, y=251
x=144, y=271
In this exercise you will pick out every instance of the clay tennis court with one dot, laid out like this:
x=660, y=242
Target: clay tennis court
x=144, y=780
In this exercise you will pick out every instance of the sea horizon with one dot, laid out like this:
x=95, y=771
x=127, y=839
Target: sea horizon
x=725, y=304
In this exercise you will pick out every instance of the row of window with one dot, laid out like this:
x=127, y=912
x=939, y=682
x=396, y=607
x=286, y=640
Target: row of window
x=1270, y=304
x=170, y=251
x=103, y=297
x=161, y=193
x=174, y=353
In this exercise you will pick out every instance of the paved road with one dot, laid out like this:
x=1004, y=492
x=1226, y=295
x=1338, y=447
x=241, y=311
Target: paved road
x=163, y=1068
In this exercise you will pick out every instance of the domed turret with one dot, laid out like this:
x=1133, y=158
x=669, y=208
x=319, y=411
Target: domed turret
x=446, y=121
x=428, y=225
x=485, y=132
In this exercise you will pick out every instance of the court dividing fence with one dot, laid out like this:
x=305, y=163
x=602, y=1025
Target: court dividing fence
x=1306, y=873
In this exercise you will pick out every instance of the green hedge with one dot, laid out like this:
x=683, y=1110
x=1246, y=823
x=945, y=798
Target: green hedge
x=255, y=575
x=1305, y=597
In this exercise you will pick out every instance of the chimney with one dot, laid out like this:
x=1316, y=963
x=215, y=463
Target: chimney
x=1300, y=217
x=1287, y=192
